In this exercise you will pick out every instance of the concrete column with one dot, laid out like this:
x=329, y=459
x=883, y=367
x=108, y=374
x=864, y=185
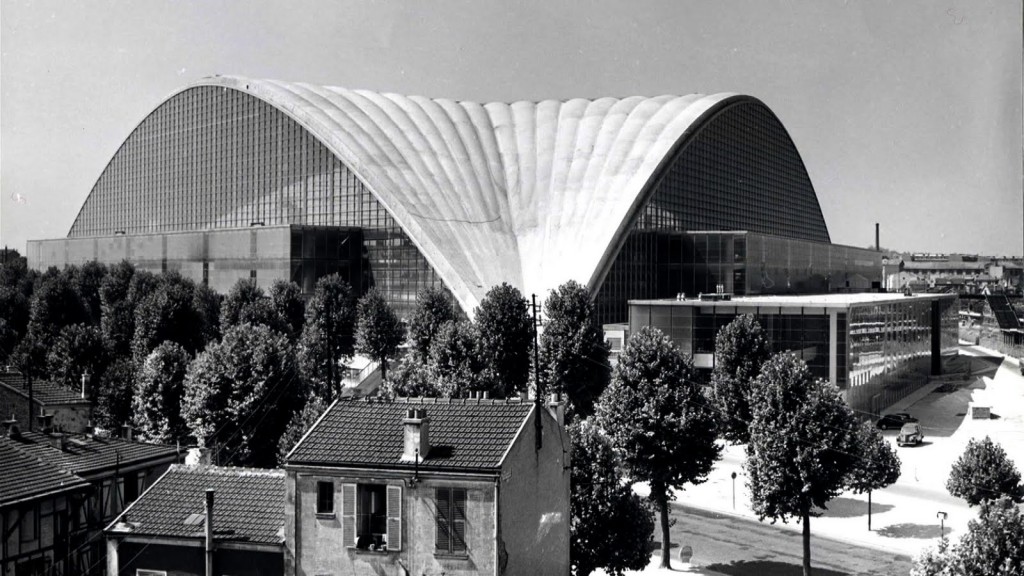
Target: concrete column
x=833, y=346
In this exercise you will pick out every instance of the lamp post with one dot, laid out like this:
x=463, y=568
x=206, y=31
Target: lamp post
x=733, y=490
x=942, y=523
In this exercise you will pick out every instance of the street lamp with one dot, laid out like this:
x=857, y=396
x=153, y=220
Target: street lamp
x=733, y=490
x=942, y=523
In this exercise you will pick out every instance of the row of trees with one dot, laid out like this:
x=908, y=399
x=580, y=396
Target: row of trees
x=804, y=444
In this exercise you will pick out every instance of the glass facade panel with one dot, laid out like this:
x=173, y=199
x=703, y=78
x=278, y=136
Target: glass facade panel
x=214, y=158
x=741, y=171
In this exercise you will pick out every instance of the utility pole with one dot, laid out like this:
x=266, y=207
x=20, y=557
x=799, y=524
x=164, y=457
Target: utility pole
x=538, y=404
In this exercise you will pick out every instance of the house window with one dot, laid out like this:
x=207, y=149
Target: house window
x=325, y=497
x=450, y=528
x=372, y=516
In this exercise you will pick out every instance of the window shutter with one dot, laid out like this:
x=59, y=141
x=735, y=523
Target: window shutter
x=442, y=539
x=348, y=515
x=394, y=506
x=458, y=520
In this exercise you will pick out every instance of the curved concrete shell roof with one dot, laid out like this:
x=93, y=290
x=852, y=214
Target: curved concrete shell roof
x=530, y=193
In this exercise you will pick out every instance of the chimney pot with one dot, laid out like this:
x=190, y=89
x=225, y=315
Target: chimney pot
x=11, y=428
x=416, y=443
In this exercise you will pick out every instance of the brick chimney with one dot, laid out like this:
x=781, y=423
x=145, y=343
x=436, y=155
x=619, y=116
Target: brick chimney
x=556, y=406
x=417, y=435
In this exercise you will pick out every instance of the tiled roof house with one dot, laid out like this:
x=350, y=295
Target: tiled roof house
x=63, y=409
x=165, y=530
x=414, y=486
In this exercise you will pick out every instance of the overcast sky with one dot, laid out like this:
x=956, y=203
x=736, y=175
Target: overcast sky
x=906, y=113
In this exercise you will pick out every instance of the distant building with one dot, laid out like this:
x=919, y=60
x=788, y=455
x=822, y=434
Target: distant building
x=165, y=531
x=114, y=473
x=53, y=406
x=876, y=348
x=961, y=273
x=233, y=178
x=471, y=486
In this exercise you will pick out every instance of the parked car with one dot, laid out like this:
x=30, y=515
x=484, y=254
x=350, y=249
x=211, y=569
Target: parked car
x=910, y=434
x=895, y=420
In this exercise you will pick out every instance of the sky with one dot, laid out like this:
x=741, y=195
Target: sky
x=906, y=113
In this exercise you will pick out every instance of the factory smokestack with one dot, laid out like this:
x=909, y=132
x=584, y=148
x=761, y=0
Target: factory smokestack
x=877, y=245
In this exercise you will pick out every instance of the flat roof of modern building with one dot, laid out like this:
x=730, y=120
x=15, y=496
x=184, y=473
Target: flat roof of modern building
x=838, y=300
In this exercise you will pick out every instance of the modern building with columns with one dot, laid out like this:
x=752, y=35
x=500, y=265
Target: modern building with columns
x=877, y=348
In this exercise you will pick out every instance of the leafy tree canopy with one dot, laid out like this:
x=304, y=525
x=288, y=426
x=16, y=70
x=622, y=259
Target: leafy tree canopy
x=612, y=528
x=434, y=308
x=159, y=387
x=169, y=313
x=659, y=420
x=379, y=332
x=992, y=546
x=984, y=472
x=877, y=464
x=287, y=299
x=328, y=336
x=574, y=356
x=300, y=423
x=78, y=350
x=505, y=328
x=740, y=349
x=117, y=308
x=243, y=294
x=454, y=362
x=240, y=394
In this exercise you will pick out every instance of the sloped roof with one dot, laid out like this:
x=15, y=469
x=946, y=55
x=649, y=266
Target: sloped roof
x=248, y=505
x=44, y=392
x=86, y=455
x=464, y=433
x=23, y=475
x=532, y=193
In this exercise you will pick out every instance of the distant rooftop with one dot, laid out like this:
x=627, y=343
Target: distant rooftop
x=23, y=476
x=843, y=300
x=248, y=505
x=465, y=434
x=43, y=392
x=86, y=455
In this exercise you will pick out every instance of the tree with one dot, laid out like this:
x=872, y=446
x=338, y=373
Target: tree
x=505, y=328
x=240, y=394
x=159, y=387
x=433, y=309
x=659, y=421
x=328, y=336
x=14, y=317
x=379, y=332
x=113, y=396
x=297, y=427
x=992, y=546
x=574, y=356
x=612, y=527
x=207, y=304
x=802, y=444
x=56, y=303
x=88, y=279
x=410, y=378
x=168, y=313
x=454, y=363
x=287, y=299
x=118, y=308
x=78, y=350
x=243, y=294
x=740, y=350
x=876, y=465
x=984, y=472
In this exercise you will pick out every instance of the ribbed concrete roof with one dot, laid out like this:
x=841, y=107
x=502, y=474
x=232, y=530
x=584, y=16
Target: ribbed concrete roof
x=531, y=193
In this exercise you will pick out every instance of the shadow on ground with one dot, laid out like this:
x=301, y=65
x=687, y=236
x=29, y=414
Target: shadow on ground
x=769, y=568
x=655, y=546
x=909, y=530
x=851, y=507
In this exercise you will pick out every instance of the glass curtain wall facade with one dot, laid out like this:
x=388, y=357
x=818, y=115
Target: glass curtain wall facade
x=215, y=158
x=741, y=171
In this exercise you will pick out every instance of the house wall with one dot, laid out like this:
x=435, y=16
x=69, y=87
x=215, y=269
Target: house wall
x=316, y=540
x=534, y=503
x=191, y=560
x=36, y=536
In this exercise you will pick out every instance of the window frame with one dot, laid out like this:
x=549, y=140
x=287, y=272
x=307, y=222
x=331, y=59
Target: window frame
x=325, y=487
x=446, y=519
x=393, y=513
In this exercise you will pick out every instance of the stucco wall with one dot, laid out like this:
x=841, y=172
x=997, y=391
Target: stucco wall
x=66, y=417
x=316, y=540
x=534, y=498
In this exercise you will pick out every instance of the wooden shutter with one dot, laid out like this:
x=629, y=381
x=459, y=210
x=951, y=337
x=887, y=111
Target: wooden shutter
x=348, y=515
x=442, y=538
x=394, y=506
x=458, y=520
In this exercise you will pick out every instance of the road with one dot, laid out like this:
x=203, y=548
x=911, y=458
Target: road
x=737, y=546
